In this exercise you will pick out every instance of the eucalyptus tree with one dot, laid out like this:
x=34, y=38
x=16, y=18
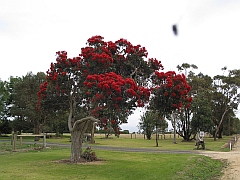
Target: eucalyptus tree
x=225, y=98
x=202, y=91
x=189, y=121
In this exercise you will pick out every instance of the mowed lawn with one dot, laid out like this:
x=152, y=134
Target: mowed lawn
x=114, y=165
x=138, y=141
x=28, y=163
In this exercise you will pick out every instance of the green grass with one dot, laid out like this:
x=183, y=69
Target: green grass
x=163, y=144
x=116, y=165
x=34, y=164
x=125, y=141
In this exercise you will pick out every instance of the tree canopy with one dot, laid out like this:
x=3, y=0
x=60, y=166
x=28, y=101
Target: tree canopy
x=107, y=81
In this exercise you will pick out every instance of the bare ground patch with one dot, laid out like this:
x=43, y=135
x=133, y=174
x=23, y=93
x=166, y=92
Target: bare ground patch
x=81, y=161
x=232, y=169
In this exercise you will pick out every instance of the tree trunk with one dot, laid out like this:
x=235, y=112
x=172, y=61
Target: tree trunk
x=36, y=128
x=220, y=123
x=77, y=133
x=156, y=136
x=76, y=145
x=92, y=134
x=77, y=129
x=220, y=132
x=174, y=131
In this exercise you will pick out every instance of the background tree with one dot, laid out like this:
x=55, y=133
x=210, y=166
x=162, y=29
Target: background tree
x=202, y=90
x=197, y=117
x=3, y=98
x=101, y=78
x=202, y=114
x=230, y=124
x=8, y=90
x=234, y=126
x=147, y=123
x=169, y=93
x=150, y=122
x=5, y=127
x=24, y=102
x=225, y=98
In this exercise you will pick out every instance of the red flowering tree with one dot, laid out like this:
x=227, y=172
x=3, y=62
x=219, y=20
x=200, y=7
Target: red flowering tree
x=105, y=83
x=169, y=94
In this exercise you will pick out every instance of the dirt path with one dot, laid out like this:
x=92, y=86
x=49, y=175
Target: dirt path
x=232, y=171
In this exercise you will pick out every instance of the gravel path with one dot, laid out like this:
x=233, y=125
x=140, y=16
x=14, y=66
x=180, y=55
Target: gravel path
x=112, y=148
x=232, y=171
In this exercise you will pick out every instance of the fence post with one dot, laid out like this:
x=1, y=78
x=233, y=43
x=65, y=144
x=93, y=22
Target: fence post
x=14, y=141
x=20, y=140
x=12, y=138
x=44, y=141
x=230, y=145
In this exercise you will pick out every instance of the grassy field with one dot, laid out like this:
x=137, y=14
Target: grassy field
x=126, y=140
x=138, y=141
x=30, y=162
x=116, y=165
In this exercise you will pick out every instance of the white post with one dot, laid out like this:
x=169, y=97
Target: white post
x=44, y=141
x=230, y=146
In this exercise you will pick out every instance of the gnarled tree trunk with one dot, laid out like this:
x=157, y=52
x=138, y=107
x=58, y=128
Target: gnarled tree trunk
x=77, y=130
x=77, y=134
x=76, y=145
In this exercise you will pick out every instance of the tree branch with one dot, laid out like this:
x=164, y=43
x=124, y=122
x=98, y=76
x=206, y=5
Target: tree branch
x=83, y=121
x=134, y=72
x=70, y=116
x=217, y=129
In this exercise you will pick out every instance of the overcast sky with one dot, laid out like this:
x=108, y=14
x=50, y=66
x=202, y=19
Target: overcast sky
x=31, y=31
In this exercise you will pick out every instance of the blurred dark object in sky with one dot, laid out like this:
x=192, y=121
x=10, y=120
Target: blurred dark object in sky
x=175, y=30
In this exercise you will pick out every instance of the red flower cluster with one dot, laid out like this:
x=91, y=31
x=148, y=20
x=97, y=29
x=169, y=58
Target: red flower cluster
x=155, y=64
x=174, y=88
x=63, y=63
x=113, y=87
x=130, y=49
x=112, y=47
x=95, y=40
x=102, y=58
x=43, y=88
x=86, y=52
x=109, y=83
x=41, y=94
